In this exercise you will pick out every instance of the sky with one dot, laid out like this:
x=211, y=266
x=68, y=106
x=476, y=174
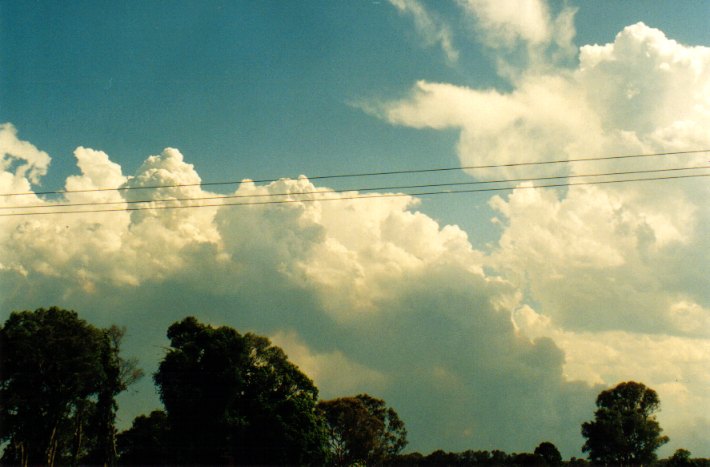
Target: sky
x=488, y=320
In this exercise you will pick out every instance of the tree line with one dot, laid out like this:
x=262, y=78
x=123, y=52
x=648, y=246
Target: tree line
x=232, y=398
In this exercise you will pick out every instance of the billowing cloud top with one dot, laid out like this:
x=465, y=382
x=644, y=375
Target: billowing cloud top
x=487, y=350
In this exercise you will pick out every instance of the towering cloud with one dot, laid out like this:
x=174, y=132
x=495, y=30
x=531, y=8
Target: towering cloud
x=501, y=349
x=614, y=268
x=368, y=295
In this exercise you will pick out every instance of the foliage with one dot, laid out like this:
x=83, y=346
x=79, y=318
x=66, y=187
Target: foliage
x=233, y=398
x=680, y=458
x=362, y=429
x=476, y=458
x=59, y=376
x=549, y=453
x=146, y=442
x=624, y=430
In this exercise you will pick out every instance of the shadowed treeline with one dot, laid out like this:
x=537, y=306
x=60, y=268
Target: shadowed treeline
x=232, y=398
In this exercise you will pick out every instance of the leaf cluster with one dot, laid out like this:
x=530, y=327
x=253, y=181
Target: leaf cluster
x=235, y=398
x=624, y=430
x=362, y=429
x=59, y=376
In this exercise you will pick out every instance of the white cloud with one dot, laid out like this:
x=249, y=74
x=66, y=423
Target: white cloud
x=676, y=367
x=643, y=93
x=431, y=29
x=524, y=34
x=649, y=85
x=597, y=261
x=28, y=162
x=371, y=295
x=112, y=247
x=333, y=372
x=366, y=295
x=509, y=21
x=616, y=272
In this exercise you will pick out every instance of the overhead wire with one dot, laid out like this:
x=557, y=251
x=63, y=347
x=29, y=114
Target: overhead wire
x=346, y=190
x=354, y=197
x=367, y=174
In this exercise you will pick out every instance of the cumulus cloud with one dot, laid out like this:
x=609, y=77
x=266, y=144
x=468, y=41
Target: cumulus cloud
x=642, y=93
x=598, y=262
x=372, y=295
x=613, y=270
x=21, y=163
x=431, y=29
x=334, y=373
x=672, y=365
x=366, y=295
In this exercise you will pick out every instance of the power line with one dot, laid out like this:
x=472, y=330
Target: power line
x=368, y=174
x=360, y=189
x=355, y=197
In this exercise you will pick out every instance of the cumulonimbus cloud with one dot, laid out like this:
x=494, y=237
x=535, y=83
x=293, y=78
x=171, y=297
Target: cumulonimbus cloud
x=370, y=288
x=623, y=258
x=446, y=333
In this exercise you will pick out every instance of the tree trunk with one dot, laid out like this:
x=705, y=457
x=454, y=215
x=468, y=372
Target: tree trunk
x=24, y=454
x=78, y=434
x=52, y=447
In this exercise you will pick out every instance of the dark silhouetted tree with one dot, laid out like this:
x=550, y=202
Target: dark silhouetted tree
x=526, y=458
x=624, y=430
x=119, y=373
x=146, y=442
x=441, y=457
x=362, y=429
x=680, y=458
x=233, y=398
x=549, y=453
x=57, y=387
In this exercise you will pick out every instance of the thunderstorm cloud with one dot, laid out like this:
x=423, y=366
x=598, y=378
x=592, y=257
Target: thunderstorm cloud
x=501, y=348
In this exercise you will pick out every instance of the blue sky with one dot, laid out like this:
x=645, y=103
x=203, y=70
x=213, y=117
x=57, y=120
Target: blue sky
x=277, y=89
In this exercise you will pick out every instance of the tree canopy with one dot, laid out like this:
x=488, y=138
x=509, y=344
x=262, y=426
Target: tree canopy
x=624, y=430
x=362, y=429
x=59, y=377
x=549, y=453
x=233, y=398
x=146, y=441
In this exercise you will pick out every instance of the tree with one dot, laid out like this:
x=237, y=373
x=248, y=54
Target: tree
x=118, y=375
x=236, y=398
x=526, y=458
x=680, y=458
x=624, y=430
x=362, y=429
x=56, y=383
x=549, y=453
x=146, y=442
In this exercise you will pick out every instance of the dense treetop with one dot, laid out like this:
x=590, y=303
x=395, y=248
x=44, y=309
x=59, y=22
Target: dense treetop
x=232, y=398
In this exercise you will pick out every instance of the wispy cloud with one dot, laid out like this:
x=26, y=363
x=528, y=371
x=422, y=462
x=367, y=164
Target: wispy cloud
x=29, y=162
x=431, y=28
x=524, y=34
x=505, y=22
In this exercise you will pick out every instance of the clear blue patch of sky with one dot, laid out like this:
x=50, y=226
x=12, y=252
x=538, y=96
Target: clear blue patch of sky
x=254, y=89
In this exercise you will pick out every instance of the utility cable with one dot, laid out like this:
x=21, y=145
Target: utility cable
x=368, y=174
x=354, y=197
x=382, y=188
